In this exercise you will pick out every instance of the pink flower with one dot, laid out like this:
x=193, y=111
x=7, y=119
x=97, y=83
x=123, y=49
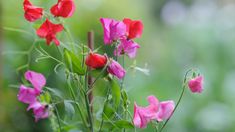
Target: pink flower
x=143, y=115
x=64, y=8
x=196, y=84
x=134, y=28
x=155, y=111
x=40, y=111
x=127, y=46
x=32, y=13
x=165, y=110
x=27, y=95
x=116, y=69
x=48, y=30
x=113, y=30
x=36, y=79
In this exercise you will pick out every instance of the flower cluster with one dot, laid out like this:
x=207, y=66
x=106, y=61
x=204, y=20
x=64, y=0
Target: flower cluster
x=48, y=30
x=30, y=95
x=122, y=32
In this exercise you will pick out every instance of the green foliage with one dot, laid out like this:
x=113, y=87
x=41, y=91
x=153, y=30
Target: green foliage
x=69, y=109
x=73, y=63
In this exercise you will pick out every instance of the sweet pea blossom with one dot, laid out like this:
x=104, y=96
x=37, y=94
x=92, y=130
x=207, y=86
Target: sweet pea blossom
x=36, y=79
x=127, y=46
x=196, y=84
x=113, y=30
x=155, y=111
x=40, y=110
x=27, y=95
x=32, y=13
x=63, y=8
x=134, y=28
x=165, y=110
x=116, y=69
x=95, y=60
x=49, y=30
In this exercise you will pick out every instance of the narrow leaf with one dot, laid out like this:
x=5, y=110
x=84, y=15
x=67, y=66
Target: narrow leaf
x=69, y=109
x=116, y=93
x=73, y=63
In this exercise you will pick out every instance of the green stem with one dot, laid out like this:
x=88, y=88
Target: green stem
x=71, y=39
x=58, y=118
x=179, y=100
x=77, y=105
x=87, y=102
x=107, y=96
x=97, y=78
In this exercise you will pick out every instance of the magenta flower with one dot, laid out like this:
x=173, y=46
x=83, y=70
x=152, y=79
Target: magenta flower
x=127, y=46
x=116, y=69
x=196, y=84
x=40, y=111
x=155, y=111
x=36, y=79
x=113, y=30
x=27, y=95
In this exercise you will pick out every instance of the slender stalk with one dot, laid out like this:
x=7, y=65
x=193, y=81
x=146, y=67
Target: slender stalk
x=102, y=121
x=71, y=39
x=77, y=105
x=97, y=78
x=179, y=100
x=87, y=103
x=58, y=118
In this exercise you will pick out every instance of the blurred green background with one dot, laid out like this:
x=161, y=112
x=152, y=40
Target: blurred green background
x=178, y=35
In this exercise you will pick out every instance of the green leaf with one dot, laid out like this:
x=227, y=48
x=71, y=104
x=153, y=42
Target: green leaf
x=116, y=93
x=69, y=109
x=124, y=124
x=55, y=91
x=108, y=111
x=125, y=99
x=73, y=63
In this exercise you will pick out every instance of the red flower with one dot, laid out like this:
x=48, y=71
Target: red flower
x=134, y=28
x=48, y=30
x=94, y=60
x=63, y=8
x=32, y=13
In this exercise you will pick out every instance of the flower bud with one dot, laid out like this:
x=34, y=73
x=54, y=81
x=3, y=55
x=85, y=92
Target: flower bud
x=116, y=69
x=196, y=84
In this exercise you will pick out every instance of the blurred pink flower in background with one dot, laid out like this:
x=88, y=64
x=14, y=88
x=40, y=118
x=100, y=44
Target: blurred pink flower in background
x=196, y=84
x=155, y=111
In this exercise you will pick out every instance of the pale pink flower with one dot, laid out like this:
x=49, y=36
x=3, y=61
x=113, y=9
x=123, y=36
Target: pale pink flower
x=196, y=84
x=116, y=69
x=113, y=30
x=128, y=47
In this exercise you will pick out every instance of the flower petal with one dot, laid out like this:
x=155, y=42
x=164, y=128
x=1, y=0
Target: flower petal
x=36, y=79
